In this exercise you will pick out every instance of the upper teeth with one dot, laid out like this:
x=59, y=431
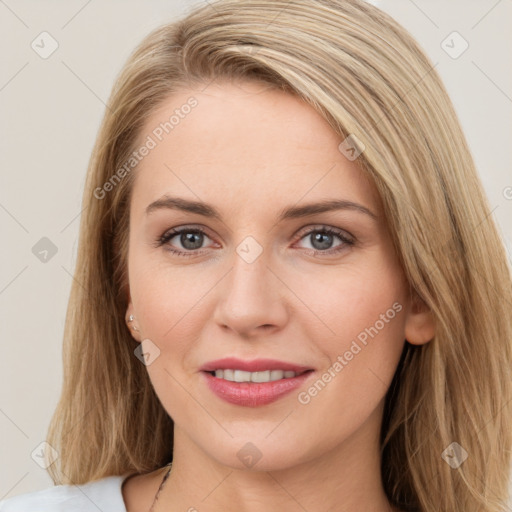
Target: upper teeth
x=242, y=376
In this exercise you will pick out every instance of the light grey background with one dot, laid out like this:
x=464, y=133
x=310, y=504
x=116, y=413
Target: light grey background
x=51, y=110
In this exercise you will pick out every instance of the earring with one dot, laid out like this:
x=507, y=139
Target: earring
x=131, y=318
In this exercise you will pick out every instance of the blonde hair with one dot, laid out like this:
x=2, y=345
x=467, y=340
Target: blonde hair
x=366, y=76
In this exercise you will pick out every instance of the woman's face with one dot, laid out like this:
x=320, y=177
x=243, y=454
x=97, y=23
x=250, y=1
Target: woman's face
x=244, y=164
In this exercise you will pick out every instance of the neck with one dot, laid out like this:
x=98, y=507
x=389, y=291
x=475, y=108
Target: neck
x=344, y=478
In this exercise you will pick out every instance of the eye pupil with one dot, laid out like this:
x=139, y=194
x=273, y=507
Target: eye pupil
x=189, y=240
x=324, y=239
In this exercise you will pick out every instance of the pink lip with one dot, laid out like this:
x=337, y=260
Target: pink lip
x=253, y=394
x=257, y=365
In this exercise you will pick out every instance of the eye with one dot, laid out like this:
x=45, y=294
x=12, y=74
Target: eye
x=191, y=239
x=322, y=238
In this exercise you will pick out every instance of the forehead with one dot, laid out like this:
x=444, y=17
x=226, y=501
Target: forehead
x=244, y=142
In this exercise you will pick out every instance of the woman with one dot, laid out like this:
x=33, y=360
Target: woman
x=288, y=283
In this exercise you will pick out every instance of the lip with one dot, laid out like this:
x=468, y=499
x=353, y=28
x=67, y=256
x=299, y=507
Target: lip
x=256, y=365
x=254, y=394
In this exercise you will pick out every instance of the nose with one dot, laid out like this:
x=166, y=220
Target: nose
x=251, y=299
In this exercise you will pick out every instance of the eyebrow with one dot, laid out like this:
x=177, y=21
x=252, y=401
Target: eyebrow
x=291, y=212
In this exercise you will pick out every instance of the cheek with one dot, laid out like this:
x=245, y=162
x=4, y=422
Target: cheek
x=171, y=305
x=359, y=329
x=344, y=302
x=161, y=293
x=170, y=313
x=366, y=311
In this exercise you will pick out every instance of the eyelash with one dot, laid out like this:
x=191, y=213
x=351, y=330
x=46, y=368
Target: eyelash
x=326, y=230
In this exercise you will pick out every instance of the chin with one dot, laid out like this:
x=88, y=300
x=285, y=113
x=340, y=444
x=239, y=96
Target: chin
x=258, y=455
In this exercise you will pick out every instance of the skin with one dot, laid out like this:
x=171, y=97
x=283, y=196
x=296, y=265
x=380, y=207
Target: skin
x=250, y=152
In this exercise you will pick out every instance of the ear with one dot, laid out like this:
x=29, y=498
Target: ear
x=131, y=322
x=420, y=322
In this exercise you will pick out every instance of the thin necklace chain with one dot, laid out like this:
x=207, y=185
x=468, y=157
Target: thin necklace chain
x=161, y=487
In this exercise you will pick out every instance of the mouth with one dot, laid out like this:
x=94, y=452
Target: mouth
x=235, y=375
x=254, y=383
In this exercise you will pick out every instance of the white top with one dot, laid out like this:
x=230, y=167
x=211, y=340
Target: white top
x=104, y=494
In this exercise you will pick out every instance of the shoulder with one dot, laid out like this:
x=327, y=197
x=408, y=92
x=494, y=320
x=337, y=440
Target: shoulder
x=104, y=495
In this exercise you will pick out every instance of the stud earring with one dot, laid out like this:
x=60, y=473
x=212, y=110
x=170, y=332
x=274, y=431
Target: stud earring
x=131, y=318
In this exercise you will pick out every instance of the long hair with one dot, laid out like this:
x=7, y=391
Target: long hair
x=370, y=80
